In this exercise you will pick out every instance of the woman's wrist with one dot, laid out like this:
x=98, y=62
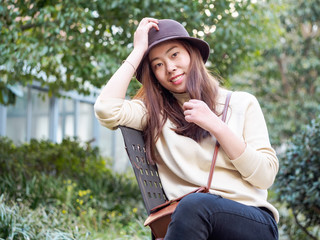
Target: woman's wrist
x=217, y=127
x=128, y=62
x=134, y=58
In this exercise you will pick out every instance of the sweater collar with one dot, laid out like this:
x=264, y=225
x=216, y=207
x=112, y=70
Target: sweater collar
x=184, y=97
x=181, y=97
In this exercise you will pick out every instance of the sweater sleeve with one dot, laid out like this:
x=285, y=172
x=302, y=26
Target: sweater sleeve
x=258, y=164
x=114, y=112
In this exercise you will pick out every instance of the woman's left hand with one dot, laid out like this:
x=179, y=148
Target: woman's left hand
x=198, y=112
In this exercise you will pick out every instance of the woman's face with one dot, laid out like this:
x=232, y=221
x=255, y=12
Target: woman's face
x=170, y=63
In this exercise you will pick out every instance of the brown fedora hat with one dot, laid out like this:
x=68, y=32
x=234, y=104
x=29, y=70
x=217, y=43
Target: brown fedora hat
x=168, y=30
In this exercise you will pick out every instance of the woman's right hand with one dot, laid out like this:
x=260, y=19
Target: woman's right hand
x=140, y=41
x=118, y=84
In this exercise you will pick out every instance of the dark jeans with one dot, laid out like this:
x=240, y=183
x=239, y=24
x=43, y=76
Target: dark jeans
x=207, y=216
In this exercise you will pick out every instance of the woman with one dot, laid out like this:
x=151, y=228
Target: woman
x=179, y=110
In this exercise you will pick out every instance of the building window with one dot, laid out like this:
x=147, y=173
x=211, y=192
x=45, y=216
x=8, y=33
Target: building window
x=66, y=119
x=16, y=124
x=39, y=115
x=86, y=122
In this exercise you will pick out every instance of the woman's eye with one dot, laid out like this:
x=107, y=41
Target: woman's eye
x=158, y=65
x=175, y=54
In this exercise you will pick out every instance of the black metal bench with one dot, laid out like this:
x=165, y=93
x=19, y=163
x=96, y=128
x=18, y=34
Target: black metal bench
x=146, y=173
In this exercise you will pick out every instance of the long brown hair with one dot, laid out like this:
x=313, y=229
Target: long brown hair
x=161, y=104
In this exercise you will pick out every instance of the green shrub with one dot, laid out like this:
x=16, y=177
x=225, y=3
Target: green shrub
x=18, y=222
x=9, y=160
x=24, y=166
x=68, y=158
x=73, y=178
x=298, y=181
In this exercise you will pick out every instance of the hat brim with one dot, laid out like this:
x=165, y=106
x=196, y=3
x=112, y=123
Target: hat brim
x=201, y=45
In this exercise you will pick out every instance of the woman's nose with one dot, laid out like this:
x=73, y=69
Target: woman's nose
x=171, y=67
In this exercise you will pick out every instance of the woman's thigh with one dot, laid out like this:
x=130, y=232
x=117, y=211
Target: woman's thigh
x=207, y=216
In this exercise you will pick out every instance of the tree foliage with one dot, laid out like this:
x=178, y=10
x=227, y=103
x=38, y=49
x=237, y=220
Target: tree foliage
x=287, y=76
x=76, y=44
x=298, y=182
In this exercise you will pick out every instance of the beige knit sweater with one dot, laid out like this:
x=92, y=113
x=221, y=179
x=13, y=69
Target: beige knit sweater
x=185, y=164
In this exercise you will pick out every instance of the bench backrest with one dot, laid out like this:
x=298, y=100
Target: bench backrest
x=146, y=173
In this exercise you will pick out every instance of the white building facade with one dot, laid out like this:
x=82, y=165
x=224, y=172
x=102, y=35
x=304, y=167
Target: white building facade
x=35, y=115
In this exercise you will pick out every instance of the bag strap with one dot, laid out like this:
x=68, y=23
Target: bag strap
x=216, y=148
x=201, y=189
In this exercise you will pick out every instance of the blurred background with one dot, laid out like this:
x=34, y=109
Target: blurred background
x=63, y=176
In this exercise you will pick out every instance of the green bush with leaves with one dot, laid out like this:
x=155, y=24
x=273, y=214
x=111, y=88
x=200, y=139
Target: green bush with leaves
x=298, y=182
x=68, y=160
x=18, y=222
x=73, y=180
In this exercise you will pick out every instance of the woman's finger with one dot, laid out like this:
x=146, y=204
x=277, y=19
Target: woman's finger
x=188, y=105
x=187, y=112
x=194, y=100
x=155, y=25
x=146, y=21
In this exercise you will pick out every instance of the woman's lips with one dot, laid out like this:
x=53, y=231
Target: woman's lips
x=177, y=79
